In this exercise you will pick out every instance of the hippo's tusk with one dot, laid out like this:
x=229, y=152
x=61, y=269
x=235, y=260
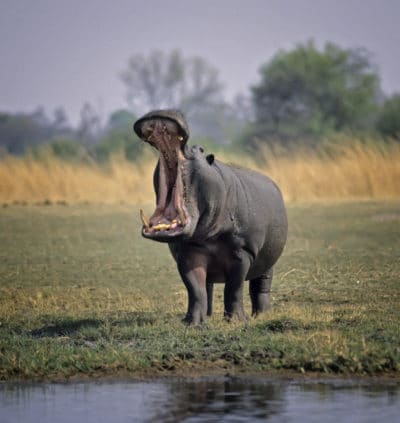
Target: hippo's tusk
x=145, y=219
x=182, y=216
x=180, y=138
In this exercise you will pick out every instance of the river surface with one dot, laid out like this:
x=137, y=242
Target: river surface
x=201, y=400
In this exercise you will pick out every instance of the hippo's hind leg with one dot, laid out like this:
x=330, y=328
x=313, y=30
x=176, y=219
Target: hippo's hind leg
x=260, y=289
x=210, y=290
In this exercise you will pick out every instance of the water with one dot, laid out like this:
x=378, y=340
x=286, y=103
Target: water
x=201, y=400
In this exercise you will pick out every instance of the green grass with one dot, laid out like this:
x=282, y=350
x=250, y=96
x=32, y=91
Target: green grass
x=82, y=294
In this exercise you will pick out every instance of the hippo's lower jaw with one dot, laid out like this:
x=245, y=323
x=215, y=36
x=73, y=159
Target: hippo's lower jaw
x=162, y=234
x=162, y=231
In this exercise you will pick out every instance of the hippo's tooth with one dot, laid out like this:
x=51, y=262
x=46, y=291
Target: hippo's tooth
x=182, y=216
x=145, y=219
x=161, y=227
x=180, y=138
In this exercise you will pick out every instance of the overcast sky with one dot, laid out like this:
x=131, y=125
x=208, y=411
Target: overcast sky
x=65, y=52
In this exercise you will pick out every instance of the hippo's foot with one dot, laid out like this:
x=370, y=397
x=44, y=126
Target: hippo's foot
x=193, y=319
x=237, y=313
x=189, y=321
x=259, y=289
x=261, y=304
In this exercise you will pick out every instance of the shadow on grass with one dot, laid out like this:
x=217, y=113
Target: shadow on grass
x=65, y=327
x=135, y=318
x=283, y=324
x=70, y=326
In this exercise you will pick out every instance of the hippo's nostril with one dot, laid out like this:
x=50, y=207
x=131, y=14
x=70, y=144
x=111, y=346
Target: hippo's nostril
x=197, y=148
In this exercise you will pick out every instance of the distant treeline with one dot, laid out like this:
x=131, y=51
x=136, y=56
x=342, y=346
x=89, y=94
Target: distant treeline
x=304, y=96
x=38, y=135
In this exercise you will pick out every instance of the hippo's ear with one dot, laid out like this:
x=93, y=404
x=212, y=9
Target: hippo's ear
x=210, y=159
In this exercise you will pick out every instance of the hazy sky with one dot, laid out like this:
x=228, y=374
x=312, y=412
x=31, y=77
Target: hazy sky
x=65, y=52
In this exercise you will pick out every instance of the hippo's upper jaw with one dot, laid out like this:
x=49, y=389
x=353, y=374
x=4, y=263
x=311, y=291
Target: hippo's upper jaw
x=168, y=136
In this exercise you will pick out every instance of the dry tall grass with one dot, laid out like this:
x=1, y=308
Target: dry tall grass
x=356, y=171
x=29, y=180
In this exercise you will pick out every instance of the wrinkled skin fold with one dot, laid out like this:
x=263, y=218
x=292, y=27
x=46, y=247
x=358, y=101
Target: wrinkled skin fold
x=222, y=223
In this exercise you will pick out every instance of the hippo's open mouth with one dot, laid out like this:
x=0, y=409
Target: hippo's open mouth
x=170, y=217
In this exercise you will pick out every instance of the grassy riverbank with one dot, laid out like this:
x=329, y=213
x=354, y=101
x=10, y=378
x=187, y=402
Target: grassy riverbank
x=82, y=294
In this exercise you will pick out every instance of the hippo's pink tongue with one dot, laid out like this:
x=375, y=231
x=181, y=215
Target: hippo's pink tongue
x=169, y=214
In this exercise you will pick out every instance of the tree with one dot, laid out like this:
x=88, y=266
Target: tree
x=388, y=123
x=60, y=120
x=121, y=120
x=170, y=81
x=21, y=131
x=90, y=124
x=119, y=138
x=308, y=92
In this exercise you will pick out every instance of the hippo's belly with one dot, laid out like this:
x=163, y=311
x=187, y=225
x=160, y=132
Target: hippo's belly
x=222, y=257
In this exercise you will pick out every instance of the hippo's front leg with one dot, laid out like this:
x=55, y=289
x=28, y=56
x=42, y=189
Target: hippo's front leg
x=193, y=271
x=233, y=292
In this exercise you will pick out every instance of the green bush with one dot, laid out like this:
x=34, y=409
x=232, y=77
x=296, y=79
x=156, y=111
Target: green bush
x=64, y=149
x=388, y=123
x=68, y=149
x=119, y=142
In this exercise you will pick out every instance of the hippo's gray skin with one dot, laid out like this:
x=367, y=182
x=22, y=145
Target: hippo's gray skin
x=222, y=223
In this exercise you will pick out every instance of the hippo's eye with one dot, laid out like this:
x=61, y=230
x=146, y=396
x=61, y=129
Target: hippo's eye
x=201, y=150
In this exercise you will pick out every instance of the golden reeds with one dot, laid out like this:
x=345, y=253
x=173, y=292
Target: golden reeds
x=29, y=180
x=352, y=171
x=355, y=171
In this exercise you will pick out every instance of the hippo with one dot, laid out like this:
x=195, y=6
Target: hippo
x=223, y=223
